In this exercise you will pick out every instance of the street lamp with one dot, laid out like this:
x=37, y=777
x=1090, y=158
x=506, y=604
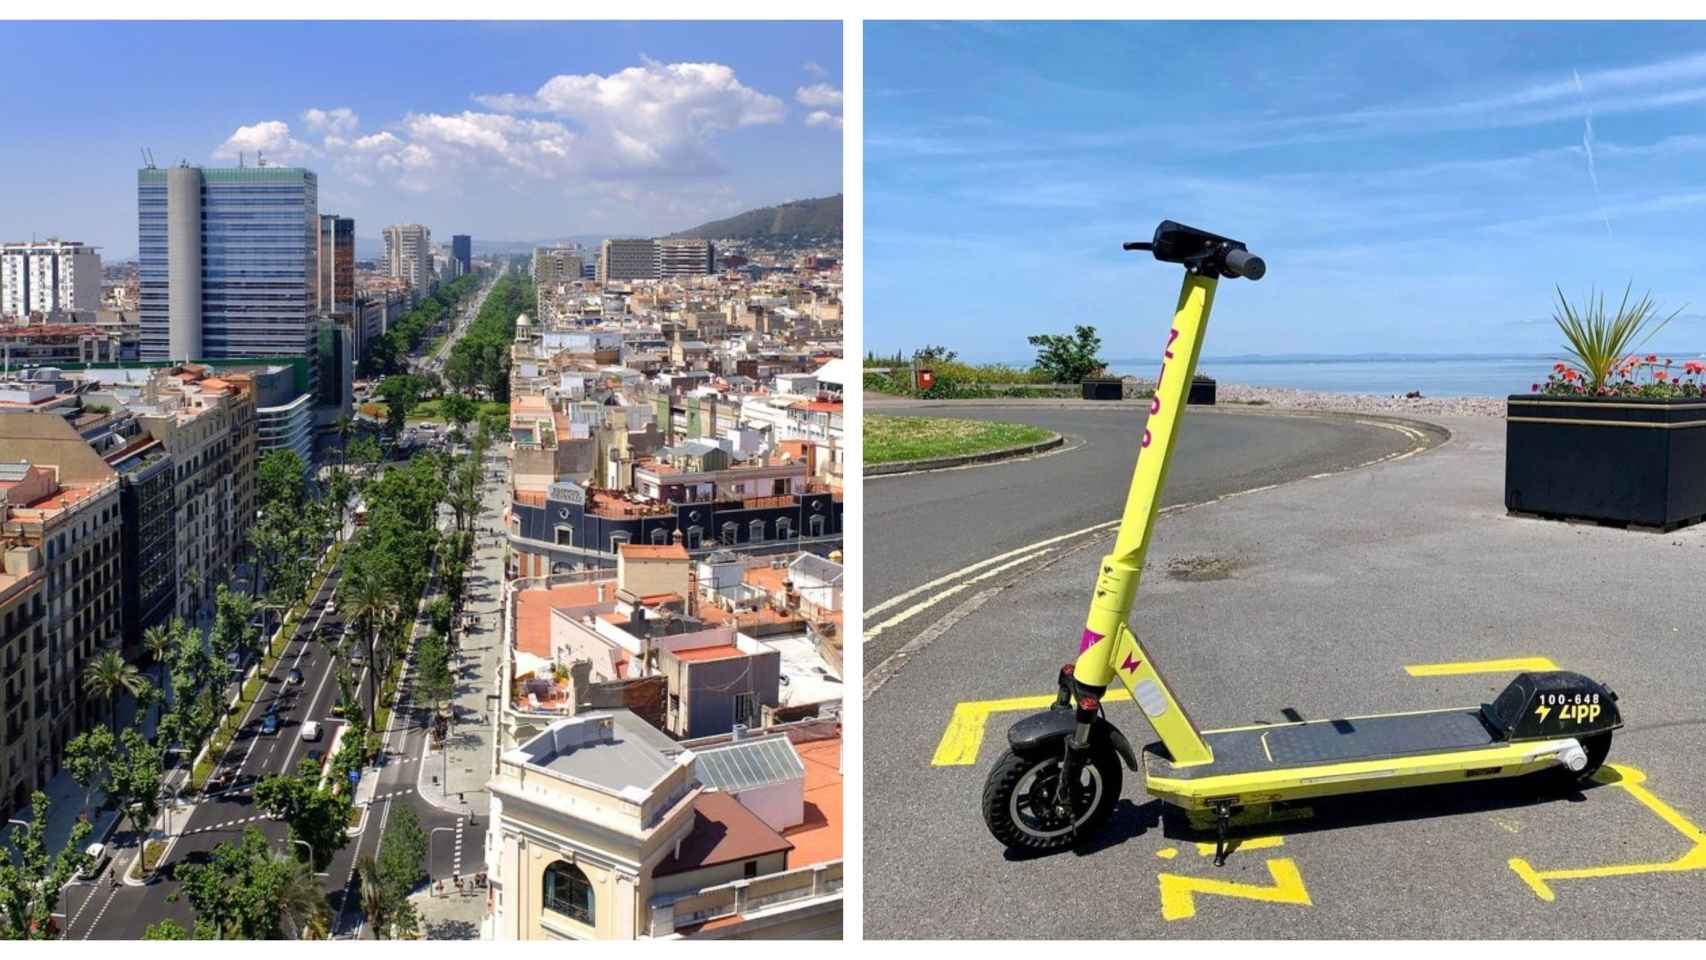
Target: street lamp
x=310, y=856
x=172, y=793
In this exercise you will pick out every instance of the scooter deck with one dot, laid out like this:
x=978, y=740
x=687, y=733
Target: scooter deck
x=1312, y=742
x=1314, y=758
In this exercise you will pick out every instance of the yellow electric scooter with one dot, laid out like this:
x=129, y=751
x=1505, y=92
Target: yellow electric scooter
x=1060, y=776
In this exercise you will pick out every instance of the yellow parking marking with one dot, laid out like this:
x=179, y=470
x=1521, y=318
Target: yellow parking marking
x=1178, y=893
x=1167, y=853
x=1630, y=780
x=1514, y=665
x=1253, y=843
x=960, y=742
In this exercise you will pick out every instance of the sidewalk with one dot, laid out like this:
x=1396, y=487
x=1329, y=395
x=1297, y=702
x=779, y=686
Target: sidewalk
x=1396, y=588
x=457, y=916
x=457, y=783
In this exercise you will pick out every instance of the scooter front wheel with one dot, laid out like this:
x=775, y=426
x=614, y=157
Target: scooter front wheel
x=1019, y=798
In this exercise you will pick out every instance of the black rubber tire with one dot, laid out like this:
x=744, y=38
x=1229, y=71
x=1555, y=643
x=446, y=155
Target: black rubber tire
x=1008, y=772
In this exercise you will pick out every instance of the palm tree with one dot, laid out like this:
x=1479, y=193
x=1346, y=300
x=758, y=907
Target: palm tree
x=344, y=425
x=372, y=896
x=302, y=902
x=366, y=600
x=109, y=675
x=159, y=642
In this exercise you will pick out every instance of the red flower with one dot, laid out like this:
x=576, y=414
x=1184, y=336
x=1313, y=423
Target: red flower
x=1661, y=376
x=1558, y=367
x=1652, y=358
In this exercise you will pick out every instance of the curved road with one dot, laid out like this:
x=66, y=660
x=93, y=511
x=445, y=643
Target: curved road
x=922, y=526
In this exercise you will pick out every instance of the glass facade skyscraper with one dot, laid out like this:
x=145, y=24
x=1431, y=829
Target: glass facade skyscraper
x=228, y=261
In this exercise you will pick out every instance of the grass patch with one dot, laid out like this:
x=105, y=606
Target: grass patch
x=427, y=410
x=151, y=853
x=890, y=439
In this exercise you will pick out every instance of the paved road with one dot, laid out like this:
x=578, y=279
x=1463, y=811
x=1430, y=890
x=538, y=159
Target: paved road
x=456, y=842
x=921, y=527
x=1311, y=599
x=97, y=911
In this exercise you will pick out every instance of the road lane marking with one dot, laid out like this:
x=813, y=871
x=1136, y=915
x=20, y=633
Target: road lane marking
x=1512, y=665
x=1179, y=893
x=917, y=608
x=1630, y=779
x=960, y=742
x=894, y=601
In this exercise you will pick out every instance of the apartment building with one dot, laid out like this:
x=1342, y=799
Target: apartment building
x=628, y=259
x=334, y=255
x=53, y=278
x=408, y=255
x=60, y=521
x=603, y=828
x=686, y=258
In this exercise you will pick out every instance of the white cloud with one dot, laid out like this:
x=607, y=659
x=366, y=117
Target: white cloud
x=271, y=137
x=337, y=122
x=814, y=68
x=620, y=131
x=819, y=95
x=656, y=117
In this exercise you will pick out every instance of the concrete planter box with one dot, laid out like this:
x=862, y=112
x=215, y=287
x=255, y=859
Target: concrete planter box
x=1617, y=460
x=1202, y=391
x=1103, y=388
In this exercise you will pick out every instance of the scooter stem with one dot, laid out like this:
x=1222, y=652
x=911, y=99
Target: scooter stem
x=1108, y=648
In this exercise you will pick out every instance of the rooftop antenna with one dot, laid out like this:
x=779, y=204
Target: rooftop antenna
x=260, y=159
x=239, y=159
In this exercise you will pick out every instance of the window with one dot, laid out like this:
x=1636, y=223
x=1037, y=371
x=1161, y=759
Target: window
x=784, y=528
x=565, y=537
x=660, y=535
x=816, y=524
x=569, y=892
x=755, y=531
x=695, y=536
x=751, y=869
x=746, y=709
x=617, y=540
x=731, y=533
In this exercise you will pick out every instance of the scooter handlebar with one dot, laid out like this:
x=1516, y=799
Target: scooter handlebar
x=1243, y=263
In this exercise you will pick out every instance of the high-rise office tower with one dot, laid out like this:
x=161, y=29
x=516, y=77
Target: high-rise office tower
x=228, y=261
x=408, y=254
x=462, y=250
x=556, y=265
x=685, y=258
x=335, y=288
x=50, y=277
x=628, y=260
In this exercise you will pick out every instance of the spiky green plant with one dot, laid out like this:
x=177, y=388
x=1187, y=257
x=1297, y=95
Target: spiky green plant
x=1595, y=342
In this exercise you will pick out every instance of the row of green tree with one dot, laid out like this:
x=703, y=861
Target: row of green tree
x=389, y=353
x=480, y=359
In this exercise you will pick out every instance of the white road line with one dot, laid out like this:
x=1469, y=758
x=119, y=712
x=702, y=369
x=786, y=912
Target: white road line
x=951, y=577
x=923, y=605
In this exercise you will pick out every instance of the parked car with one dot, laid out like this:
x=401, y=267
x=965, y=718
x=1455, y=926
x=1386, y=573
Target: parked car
x=98, y=860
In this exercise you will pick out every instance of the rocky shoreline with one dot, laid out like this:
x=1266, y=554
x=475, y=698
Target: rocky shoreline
x=1293, y=399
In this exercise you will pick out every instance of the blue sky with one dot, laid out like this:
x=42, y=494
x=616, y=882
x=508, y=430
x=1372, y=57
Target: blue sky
x=1415, y=188
x=508, y=131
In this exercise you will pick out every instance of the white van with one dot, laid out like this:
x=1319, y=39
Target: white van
x=311, y=731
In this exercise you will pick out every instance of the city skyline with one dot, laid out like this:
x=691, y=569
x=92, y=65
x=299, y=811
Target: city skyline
x=1416, y=188
x=542, y=130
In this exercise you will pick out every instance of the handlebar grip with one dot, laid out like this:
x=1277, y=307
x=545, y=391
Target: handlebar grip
x=1243, y=263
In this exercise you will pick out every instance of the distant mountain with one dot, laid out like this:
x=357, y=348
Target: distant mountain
x=820, y=217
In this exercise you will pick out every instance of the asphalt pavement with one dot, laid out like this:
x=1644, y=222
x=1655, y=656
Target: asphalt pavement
x=1334, y=595
x=922, y=527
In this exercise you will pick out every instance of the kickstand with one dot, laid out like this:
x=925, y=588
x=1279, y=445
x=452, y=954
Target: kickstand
x=1222, y=818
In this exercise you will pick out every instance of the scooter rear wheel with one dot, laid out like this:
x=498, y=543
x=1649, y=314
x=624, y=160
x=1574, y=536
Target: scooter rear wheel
x=1018, y=797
